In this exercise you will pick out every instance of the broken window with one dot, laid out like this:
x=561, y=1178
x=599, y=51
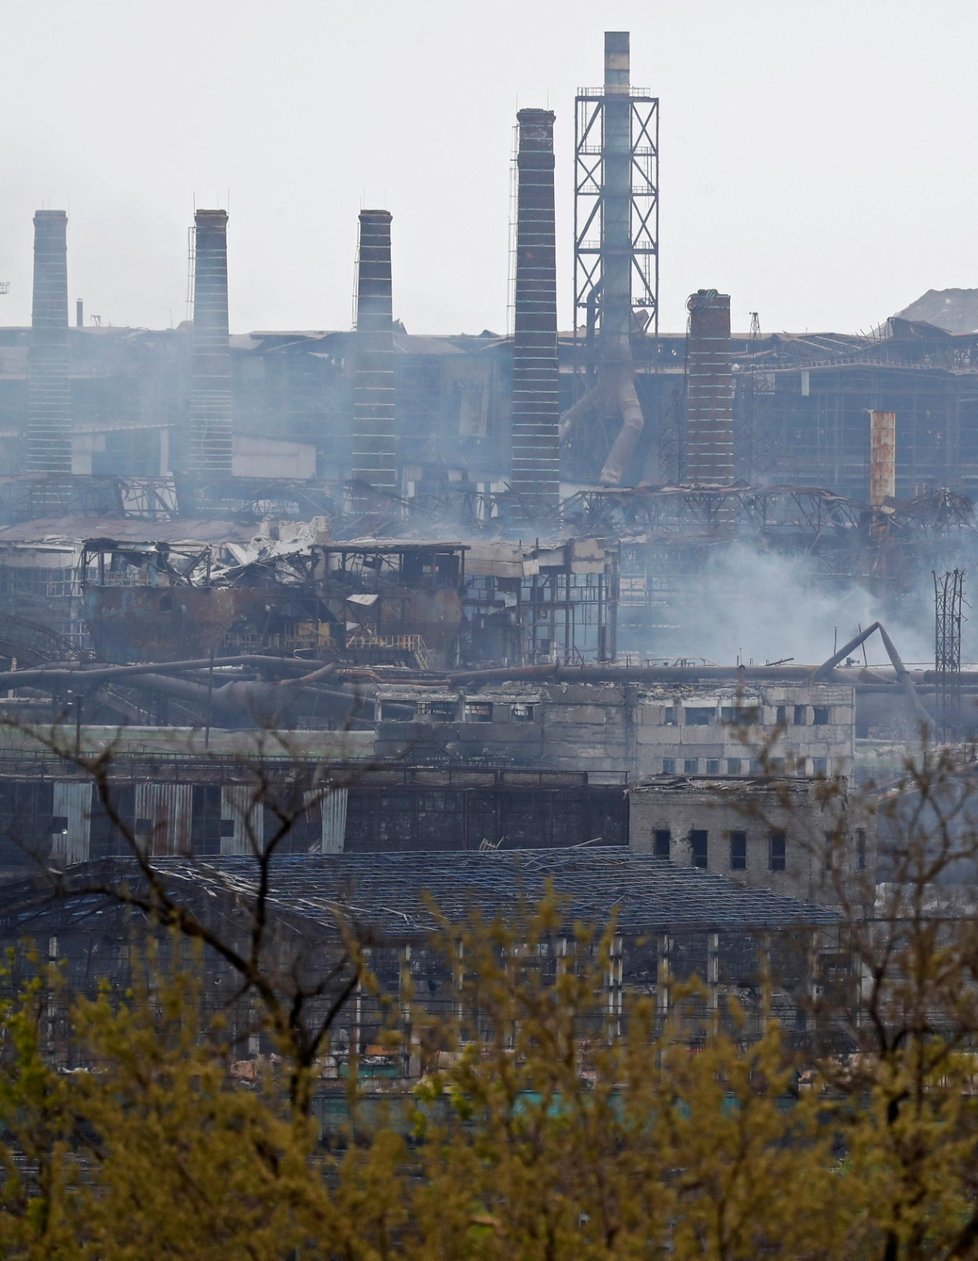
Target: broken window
x=699, y=845
x=691, y=765
x=820, y=765
x=782, y=715
x=738, y=851
x=799, y=715
x=821, y=715
x=738, y=715
x=668, y=766
x=733, y=765
x=398, y=711
x=521, y=712
x=713, y=766
x=478, y=711
x=776, y=853
x=669, y=715
x=442, y=711
x=662, y=843
x=699, y=715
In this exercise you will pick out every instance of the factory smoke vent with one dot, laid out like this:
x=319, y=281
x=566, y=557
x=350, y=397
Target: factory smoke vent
x=374, y=460
x=535, y=436
x=709, y=390
x=49, y=397
x=210, y=364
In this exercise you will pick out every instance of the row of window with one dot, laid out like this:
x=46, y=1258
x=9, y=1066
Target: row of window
x=448, y=711
x=745, y=715
x=699, y=848
x=742, y=766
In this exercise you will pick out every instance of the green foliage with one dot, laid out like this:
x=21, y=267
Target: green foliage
x=534, y=1133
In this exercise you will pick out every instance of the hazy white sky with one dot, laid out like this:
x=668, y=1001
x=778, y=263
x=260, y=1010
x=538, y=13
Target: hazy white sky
x=817, y=158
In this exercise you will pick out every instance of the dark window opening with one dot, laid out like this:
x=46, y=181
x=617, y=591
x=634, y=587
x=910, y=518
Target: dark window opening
x=733, y=765
x=699, y=845
x=777, y=850
x=800, y=715
x=699, y=716
x=691, y=765
x=713, y=766
x=662, y=843
x=738, y=851
x=782, y=715
x=821, y=715
x=668, y=766
x=861, y=849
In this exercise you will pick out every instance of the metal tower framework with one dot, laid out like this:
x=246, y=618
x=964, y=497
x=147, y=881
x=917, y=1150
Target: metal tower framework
x=591, y=198
x=948, y=601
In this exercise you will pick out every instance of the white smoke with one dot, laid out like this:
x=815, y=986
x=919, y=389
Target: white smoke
x=759, y=607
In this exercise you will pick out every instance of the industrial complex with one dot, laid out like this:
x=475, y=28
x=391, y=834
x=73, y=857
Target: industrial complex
x=399, y=604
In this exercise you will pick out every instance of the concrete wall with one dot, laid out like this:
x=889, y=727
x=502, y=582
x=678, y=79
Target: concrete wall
x=614, y=731
x=799, y=837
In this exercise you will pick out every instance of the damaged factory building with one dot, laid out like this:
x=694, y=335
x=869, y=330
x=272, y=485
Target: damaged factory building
x=368, y=593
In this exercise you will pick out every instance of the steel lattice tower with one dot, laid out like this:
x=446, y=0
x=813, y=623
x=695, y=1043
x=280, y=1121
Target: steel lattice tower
x=948, y=601
x=616, y=201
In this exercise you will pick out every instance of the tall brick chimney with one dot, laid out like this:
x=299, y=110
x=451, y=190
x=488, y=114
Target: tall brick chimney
x=374, y=417
x=536, y=412
x=48, y=388
x=210, y=362
x=709, y=390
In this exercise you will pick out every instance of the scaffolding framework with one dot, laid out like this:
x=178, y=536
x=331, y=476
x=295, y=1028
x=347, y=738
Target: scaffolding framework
x=590, y=197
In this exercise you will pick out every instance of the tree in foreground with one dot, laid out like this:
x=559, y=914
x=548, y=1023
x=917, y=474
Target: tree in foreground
x=544, y=1125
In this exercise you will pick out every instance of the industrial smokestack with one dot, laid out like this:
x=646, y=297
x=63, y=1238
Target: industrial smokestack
x=210, y=365
x=536, y=412
x=616, y=268
x=882, y=458
x=374, y=420
x=616, y=189
x=709, y=390
x=49, y=396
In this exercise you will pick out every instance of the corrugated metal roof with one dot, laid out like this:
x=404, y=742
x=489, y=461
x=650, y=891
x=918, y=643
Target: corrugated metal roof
x=391, y=895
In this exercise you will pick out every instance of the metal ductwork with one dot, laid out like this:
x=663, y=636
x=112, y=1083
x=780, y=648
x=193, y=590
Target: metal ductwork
x=210, y=370
x=536, y=414
x=374, y=460
x=709, y=390
x=49, y=394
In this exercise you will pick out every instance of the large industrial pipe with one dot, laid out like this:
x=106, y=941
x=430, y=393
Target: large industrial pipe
x=535, y=426
x=48, y=389
x=210, y=364
x=374, y=416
